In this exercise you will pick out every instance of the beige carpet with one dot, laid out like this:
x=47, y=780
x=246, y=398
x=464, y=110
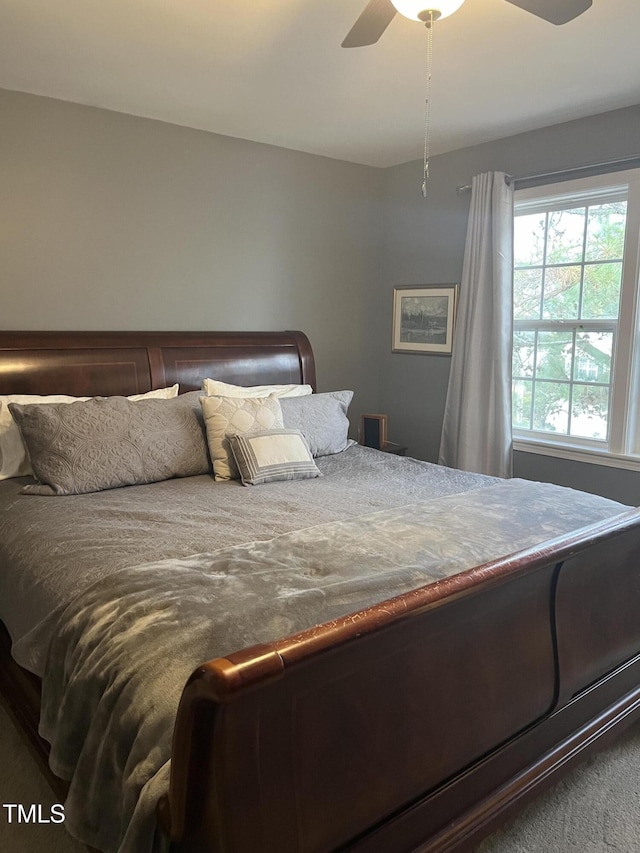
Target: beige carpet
x=596, y=809
x=22, y=782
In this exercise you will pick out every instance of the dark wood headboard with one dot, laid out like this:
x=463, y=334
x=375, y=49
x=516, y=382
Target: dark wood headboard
x=109, y=363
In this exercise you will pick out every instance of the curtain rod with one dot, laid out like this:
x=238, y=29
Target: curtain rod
x=589, y=169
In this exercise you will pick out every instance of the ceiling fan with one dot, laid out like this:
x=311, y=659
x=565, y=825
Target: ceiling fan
x=378, y=14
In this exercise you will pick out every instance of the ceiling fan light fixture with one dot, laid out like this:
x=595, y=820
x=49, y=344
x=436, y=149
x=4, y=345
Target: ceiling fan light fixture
x=419, y=10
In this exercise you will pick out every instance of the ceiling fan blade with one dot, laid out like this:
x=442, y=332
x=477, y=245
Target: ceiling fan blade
x=554, y=11
x=375, y=19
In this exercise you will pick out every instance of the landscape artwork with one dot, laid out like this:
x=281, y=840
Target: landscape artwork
x=423, y=318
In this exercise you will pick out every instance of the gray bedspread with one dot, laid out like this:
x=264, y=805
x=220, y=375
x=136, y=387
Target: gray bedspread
x=122, y=649
x=53, y=547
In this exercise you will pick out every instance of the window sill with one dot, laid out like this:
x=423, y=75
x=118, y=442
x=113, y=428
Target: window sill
x=577, y=454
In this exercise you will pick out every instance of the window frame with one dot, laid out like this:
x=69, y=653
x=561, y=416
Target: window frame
x=622, y=450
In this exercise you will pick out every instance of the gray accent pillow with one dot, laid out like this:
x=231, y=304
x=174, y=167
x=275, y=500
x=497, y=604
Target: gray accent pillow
x=321, y=418
x=107, y=442
x=271, y=456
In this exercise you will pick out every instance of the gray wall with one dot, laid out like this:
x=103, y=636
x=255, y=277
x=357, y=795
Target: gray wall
x=424, y=244
x=108, y=221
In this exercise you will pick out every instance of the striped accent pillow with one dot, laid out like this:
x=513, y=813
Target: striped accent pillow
x=271, y=456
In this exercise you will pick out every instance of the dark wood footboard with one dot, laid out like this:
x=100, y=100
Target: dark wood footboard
x=419, y=724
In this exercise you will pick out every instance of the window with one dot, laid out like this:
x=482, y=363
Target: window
x=576, y=354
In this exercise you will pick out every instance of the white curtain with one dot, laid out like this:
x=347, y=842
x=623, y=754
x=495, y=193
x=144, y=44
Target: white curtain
x=476, y=432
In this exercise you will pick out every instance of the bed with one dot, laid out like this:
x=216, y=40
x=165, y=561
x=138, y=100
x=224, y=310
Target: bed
x=412, y=721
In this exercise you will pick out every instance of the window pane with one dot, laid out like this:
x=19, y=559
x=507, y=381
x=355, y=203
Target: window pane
x=527, y=293
x=565, y=239
x=593, y=357
x=524, y=344
x=590, y=411
x=551, y=407
x=605, y=231
x=568, y=293
x=561, y=293
x=601, y=294
x=554, y=355
x=521, y=404
x=528, y=239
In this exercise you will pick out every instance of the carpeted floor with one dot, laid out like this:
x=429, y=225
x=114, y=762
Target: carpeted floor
x=22, y=782
x=596, y=809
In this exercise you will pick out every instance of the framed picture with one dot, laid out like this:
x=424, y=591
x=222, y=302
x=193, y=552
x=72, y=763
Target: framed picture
x=373, y=431
x=424, y=318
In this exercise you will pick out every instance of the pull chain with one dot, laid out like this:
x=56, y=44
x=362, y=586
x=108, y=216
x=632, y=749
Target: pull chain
x=427, y=103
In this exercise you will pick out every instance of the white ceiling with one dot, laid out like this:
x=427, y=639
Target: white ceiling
x=273, y=70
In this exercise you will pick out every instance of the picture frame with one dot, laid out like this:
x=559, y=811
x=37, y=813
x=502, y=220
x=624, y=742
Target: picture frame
x=424, y=318
x=373, y=431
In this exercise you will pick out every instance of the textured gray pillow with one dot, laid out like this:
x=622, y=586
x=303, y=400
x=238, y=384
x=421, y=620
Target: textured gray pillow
x=108, y=442
x=321, y=418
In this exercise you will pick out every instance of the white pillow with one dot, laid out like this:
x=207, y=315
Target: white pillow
x=14, y=459
x=225, y=416
x=224, y=389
